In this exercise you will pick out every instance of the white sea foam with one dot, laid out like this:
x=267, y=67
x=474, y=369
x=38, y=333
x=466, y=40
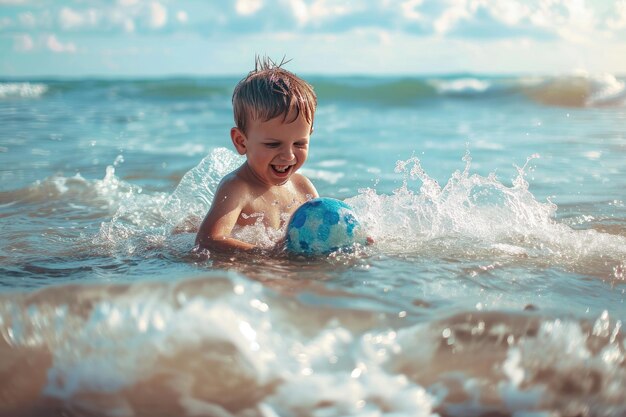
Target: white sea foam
x=461, y=85
x=231, y=336
x=23, y=90
x=471, y=214
x=470, y=217
x=564, y=351
x=231, y=345
x=606, y=90
x=139, y=217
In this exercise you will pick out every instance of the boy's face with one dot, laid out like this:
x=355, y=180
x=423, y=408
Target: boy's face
x=274, y=149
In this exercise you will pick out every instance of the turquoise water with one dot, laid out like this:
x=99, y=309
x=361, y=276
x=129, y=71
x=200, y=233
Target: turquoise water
x=495, y=285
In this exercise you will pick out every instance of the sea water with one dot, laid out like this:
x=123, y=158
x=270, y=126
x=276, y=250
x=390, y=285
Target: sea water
x=495, y=286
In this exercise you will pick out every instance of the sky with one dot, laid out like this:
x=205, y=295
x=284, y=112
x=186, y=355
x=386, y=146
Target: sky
x=131, y=38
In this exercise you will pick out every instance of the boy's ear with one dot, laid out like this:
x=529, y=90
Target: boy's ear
x=239, y=140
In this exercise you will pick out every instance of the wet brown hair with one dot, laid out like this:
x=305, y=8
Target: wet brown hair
x=270, y=91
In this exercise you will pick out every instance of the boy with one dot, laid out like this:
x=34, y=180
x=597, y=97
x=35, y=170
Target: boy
x=274, y=111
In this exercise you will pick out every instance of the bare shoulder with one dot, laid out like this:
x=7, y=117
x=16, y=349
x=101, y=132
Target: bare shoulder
x=232, y=194
x=233, y=187
x=303, y=185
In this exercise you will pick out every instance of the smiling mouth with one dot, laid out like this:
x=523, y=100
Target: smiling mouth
x=282, y=169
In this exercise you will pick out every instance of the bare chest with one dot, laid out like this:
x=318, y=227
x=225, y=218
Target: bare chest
x=273, y=209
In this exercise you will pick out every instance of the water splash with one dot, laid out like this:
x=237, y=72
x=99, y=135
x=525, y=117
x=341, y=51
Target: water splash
x=468, y=205
x=233, y=346
x=148, y=220
x=477, y=216
x=469, y=217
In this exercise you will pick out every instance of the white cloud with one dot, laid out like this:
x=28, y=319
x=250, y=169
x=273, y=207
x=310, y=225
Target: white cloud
x=248, y=7
x=509, y=12
x=618, y=21
x=158, y=15
x=321, y=9
x=300, y=11
x=71, y=19
x=409, y=9
x=554, y=13
x=318, y=11
x=27, y=19
x=55, y=45
x=181, y=16
x=456, y=12
x=571, y=20
x=23, y=43
x=131, y=15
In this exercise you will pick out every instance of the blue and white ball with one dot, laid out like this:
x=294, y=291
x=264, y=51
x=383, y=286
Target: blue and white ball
x=321, y=226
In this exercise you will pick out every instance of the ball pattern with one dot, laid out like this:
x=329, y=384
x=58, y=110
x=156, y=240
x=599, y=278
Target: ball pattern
x=321, y=226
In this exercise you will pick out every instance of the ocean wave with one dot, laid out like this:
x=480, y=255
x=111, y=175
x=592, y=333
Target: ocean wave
x=384, y=91
x=567, y=90
x=22, y=90
x=461, y=86
x=471, y=217
x=577, y=90
x=181, y=88
x=414, y=90
x=107, y=216
x=109, y=191
x=224, y=345
x=184, y=88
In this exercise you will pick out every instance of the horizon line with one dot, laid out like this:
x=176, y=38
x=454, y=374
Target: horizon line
x=171, y=76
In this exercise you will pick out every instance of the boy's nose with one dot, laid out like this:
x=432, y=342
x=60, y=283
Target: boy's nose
x=287, y=154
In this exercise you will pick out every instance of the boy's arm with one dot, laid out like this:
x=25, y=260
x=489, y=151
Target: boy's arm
x=218, y=224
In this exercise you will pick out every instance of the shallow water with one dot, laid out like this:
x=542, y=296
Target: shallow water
x=495, y=285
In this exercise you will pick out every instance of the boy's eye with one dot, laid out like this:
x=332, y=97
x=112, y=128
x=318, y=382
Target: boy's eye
x=272, y=145
x=301, y=144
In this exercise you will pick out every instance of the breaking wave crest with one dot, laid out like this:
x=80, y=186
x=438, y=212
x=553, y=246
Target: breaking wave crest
x=575, y=90
x=22, y=90
x=578, y=89
x=227, y=346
